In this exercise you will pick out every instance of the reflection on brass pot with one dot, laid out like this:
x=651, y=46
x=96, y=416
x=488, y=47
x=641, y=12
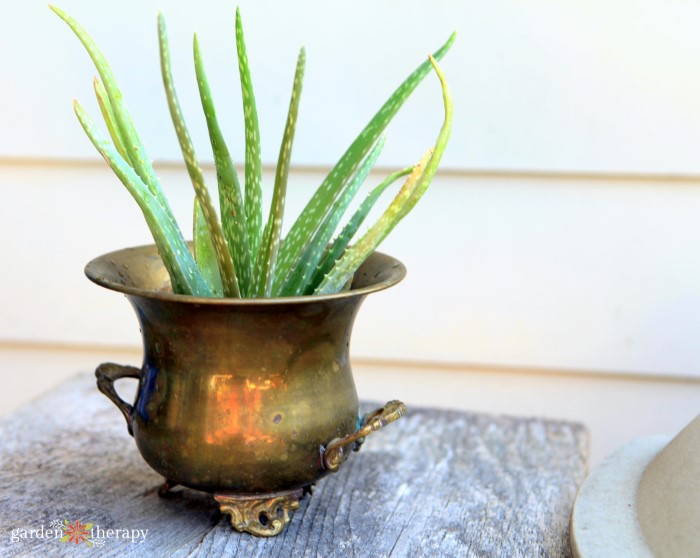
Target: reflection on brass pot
x=244, y=398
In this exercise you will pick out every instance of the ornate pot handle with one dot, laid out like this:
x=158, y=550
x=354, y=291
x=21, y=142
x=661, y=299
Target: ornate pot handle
x=333, y=454
x=107, y=373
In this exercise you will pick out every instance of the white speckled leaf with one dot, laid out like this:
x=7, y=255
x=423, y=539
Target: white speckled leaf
x=299, y=279
x=343, y=239
x=223, y=260
x=267, y=255
x=415, y=186
x=232, y=210
x=133, y=146
x=184, y=273
x=253, y=166
x=330, y=188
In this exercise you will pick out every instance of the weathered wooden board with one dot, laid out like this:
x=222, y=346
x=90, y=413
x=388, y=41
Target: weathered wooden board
x=436, y=483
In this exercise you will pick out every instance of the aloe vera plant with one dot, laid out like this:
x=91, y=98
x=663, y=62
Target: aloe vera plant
x=234, y=255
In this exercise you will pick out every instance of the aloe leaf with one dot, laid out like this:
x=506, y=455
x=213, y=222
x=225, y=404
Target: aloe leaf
x=132, y=144
x=267, y=255
x=415, y=186
x=108, y=116
x=253, y=166
x=223, y=260
x=343, y=239
x=330, y=188
x=440, y=144
x=204, y=252
x=184, y=274
x=353, y=257
x=232, y=211
x=301, y=276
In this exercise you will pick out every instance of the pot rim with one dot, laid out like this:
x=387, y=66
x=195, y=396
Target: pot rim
x=94, y=271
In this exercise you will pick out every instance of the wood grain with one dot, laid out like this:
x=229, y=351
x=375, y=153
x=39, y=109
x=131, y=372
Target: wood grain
x=436, y=483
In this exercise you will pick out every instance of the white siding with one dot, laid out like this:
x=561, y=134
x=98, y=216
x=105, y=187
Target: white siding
x=597, y=275
x=539, y=85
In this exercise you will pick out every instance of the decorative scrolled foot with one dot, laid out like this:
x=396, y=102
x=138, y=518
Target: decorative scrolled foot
x=263, y=515
x=165, y=488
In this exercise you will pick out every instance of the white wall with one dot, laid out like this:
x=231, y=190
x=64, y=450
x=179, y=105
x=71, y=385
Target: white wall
x=561, y=237
x=540, y=85
x=594, y=274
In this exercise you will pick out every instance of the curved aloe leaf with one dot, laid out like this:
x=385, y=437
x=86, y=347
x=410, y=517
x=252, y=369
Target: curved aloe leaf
x=204, y=252
x=232, y=211
x=184, y=274
x=223, y=260
x=132, y=144
x=253, y=166
x=108, y=116
x=330, y=188
x=440, y=146
x=343, y=239
x=267, y=255
x=415, y=186
x=301, y=276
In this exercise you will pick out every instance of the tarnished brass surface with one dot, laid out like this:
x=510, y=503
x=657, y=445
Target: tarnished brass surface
x=238, y=395
x=107, y=373
x=335, y=452
x=262, y=516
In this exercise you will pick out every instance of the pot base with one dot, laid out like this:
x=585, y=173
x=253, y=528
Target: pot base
x=264, y=515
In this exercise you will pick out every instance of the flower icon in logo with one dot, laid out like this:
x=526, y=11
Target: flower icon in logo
x=76, y=532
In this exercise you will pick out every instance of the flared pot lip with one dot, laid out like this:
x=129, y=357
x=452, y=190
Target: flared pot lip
x=99, y=270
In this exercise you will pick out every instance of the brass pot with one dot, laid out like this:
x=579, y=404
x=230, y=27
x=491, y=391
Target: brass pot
x=250, y=399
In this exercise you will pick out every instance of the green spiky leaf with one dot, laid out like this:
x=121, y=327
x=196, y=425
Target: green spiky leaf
x=343, y=239
x=232, y=210
x=300, y=277
x=109, y=118
x=204, y=252
x=322, y=200
x=134, y=148
x=414, y=188
x=184, y=274
x=224, y=262
x=267, y=255
x=253, y=166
